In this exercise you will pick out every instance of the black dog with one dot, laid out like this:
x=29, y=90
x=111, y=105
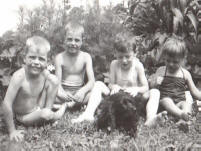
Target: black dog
x=120, y=111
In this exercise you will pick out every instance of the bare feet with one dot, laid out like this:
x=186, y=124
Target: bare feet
x=56, y=106
x=158, y=119
x=185, y=116
x=82, y=118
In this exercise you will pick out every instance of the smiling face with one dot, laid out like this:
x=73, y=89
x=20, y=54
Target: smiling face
x=35, y=60
x=125, y=59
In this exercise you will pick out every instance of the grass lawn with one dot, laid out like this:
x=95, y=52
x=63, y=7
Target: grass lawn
x=84, y=136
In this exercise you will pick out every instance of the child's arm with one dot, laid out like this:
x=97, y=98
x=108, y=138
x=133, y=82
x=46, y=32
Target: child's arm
x=112, y=78
x=7, y=106
x=61, y=92
x=193, y=89
x=91, y=80
x=52, y=88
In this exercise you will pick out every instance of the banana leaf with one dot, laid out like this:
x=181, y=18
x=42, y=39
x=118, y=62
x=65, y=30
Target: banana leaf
x=178, y=20
x=182, y=5
x=193, y=20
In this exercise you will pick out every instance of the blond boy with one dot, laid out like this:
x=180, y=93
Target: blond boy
x=32, y=90
x=72, y=66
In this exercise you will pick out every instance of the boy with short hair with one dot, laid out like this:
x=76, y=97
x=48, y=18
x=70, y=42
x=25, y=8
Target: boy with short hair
x=32, y=90
x=72, y=66
x=127, y=74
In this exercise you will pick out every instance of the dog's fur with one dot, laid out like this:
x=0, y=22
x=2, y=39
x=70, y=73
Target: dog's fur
x=120, y=111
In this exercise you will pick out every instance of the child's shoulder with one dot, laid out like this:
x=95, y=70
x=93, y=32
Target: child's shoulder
x=85, y=54
x=137, y=63
x=187, y=74
x=18, y=76
x=59, y=55
x=114, y=63
x=51, y=78
x=161, y=69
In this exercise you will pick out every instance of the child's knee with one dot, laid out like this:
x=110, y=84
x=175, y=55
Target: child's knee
x=98, y=84
x=154, y=92
x=189, y=98
x=46, y=114
x=102, y=87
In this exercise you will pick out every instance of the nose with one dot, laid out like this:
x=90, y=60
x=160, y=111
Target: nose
x=124, y=60
x=73, y=42
x=36, y=61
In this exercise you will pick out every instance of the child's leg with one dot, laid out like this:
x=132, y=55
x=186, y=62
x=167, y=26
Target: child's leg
x=171, y=107
x=94, y=100
x=184, y=106
x=32, y=118
x=41, y=115
x=152, y=118
x=60, y=112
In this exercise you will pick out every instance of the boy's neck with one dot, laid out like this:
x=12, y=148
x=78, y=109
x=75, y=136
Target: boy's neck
x=72, y=54
x=32, y=76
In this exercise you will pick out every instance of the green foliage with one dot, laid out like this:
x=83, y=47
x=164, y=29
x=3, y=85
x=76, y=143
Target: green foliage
x=150, y=22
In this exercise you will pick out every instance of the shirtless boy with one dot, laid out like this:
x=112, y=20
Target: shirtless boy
x=127, y=74
x=72, y=66
x=32, y=90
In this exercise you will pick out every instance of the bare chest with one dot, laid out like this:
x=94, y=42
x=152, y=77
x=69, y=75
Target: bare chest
x=127, y=78
x=31, y=89
x=73, y=66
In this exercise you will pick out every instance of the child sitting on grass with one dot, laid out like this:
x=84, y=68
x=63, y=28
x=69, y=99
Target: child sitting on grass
x=32, y=90
x=72, y=66
x=174, y=80
x=126, y=74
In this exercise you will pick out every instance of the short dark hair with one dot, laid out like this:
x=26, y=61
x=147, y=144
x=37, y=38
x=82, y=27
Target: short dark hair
x=124, y=42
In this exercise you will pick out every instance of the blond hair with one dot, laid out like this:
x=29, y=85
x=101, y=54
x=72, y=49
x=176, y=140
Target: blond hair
x=38, y=42
x=74, y=27
x=174, y=47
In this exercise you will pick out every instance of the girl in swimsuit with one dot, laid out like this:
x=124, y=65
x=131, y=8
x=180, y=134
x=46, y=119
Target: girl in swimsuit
x=176, y=80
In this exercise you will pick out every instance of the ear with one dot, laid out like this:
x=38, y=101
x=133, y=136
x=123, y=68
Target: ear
x=23, y=60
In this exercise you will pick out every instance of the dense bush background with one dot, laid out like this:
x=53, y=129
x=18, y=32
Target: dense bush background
x=150, y=21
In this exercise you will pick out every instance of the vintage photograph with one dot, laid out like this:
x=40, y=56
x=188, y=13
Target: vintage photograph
x=99, y=75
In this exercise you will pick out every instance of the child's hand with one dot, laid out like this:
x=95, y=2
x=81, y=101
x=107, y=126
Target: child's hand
x=17, y=135
x=115, y=89
x=79, y=96
x=69, y=97
x=159, y=80
x=133, y=91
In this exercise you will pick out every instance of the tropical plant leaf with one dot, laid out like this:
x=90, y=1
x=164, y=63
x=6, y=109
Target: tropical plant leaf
x=178, y=14
x=193, y=20
x=133, y=6
x=182, y=5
